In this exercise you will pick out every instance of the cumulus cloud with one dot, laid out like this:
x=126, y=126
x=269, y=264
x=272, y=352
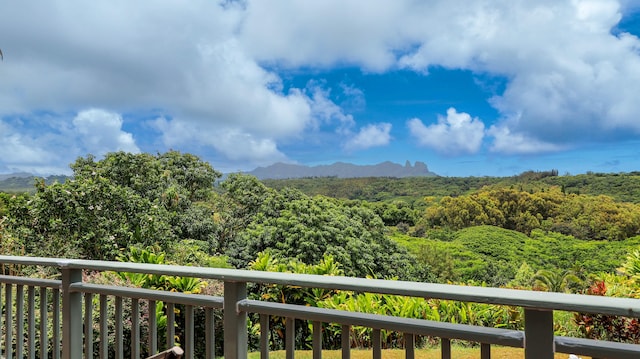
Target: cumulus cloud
x=564, y=67
x=455, y=134
x=373, y=135
x=234, y=144
x=325, y=33
x=100, y=132
x=326, y=111
x=41, y=146
x=183, y=60
x=505, y=141
x=21, y=152
x=219, y=66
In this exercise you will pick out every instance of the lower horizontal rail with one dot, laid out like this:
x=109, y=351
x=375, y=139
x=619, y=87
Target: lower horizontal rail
x=597, y=348
x=505, y=337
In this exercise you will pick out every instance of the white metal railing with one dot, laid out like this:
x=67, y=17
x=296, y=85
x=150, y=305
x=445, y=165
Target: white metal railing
x=75, y=317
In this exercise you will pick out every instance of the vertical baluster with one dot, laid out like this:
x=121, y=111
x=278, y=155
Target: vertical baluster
x=8, y=321
x=290, y=337
x=485, y=351
x=56, y=324
x=153, y=328
x=445, y=348
x=189, y=333
x=317, y=340
x=346, y=342
x=19, y=321
x=44, y=339
x=88, y=326
x=31, y=320
x=210, y=335
x=1, y=326
x=376, y=342
x=118, y=328
x=264, y=336
x=104, y=327
x=409, y=346
x=135, y=328
x=171, y=325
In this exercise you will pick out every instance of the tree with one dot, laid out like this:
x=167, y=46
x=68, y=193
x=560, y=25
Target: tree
x=176, y=178
x=293, y=225
x=92, y=218
x=239, y=199
x=121, y=200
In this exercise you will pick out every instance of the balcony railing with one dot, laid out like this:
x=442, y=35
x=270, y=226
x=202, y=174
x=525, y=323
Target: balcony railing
x=65, y=311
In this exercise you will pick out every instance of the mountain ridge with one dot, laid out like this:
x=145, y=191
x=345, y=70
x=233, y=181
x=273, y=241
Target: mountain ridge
x=282, y=170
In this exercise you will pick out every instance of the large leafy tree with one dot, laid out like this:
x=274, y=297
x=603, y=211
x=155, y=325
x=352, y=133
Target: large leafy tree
x=293, y=225
x=120, y=200
x=239, y=199
x=92, y=218
x=175, y=178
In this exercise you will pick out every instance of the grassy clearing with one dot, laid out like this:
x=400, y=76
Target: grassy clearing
x=431, y=353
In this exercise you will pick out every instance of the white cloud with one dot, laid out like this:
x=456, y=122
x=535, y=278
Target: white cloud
x=517, y=143
x=182, y=58
x=455, y=134
x=234, y=144
x=569, y=78
x=25, y=150
x=100, y=132
x=568, y=75
x=373, y=135
x=325, y=111
x=218, y=66
x=325, y=33
x=16, y=149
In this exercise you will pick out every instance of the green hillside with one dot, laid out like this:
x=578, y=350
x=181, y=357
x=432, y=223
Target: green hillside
x=620, y=186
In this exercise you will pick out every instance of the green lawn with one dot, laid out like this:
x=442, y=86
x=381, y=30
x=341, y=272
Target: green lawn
x=458, y=352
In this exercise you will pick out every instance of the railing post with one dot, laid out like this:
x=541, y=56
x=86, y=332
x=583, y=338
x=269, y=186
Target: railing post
x=71, y=315
x=235, y=322
x=538, y=334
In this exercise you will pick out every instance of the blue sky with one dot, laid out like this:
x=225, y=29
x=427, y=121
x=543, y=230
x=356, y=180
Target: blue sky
x=495, y=87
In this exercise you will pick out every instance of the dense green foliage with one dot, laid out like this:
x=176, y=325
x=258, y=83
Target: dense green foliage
x=494, y=255
x=586, y=217
x=123, y=200
x=623, y=187
x=536, y=231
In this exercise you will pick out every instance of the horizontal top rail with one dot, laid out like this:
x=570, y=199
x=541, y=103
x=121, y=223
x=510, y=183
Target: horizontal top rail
x=142, y=293
x=512, y=297
x=33, y=282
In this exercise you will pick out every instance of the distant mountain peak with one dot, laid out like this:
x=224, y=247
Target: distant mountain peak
x=282, y=170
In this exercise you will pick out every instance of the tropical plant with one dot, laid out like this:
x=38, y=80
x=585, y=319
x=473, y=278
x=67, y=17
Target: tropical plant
x=607, y=327
x=556, y=281
x=631, y=266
